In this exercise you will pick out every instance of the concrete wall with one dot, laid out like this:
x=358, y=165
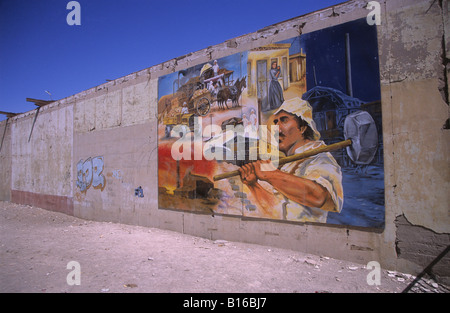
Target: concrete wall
x=111, y=130
x=5, y=160
x=42, y=163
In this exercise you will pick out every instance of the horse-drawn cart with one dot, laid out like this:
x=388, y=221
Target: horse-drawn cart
x=198, y=95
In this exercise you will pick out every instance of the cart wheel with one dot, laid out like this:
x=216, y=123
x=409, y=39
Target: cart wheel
x=203, y=106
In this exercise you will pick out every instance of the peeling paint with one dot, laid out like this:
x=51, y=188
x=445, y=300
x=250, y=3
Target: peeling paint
x=421, y=245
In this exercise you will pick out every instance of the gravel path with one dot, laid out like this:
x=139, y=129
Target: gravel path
x=36, y=247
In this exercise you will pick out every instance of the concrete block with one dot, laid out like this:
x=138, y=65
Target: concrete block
x=84, y=115
x=446, y=26
x=47, y=155
x=418, y=157
x=421, y=246
x=413, y=40
x=170, y=220
x=135, y=104
x=108, y=110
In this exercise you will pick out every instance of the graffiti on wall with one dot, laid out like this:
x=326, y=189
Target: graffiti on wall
x=290, y=131
x=90, y=173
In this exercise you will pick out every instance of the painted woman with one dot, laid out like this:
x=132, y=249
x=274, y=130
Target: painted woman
x=275, y=91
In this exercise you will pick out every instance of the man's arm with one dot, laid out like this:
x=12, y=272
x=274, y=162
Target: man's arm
x=266, y=200
x=301, y=190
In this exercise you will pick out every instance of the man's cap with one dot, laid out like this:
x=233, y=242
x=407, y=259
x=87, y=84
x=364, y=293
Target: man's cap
x=302, y=109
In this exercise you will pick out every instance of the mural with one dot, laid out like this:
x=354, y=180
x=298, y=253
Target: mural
x=290, y=130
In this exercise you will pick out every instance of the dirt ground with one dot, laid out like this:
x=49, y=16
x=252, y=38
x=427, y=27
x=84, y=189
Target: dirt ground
x=37, y=245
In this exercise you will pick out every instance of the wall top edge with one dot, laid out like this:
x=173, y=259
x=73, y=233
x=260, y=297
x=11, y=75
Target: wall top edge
x=175, y=64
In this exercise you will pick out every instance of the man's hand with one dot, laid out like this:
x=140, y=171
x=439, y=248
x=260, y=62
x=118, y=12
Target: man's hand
x=248, y=175
x=251, y=172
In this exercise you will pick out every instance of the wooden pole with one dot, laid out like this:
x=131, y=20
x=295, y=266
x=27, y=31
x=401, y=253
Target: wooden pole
x=295, y=157
x=34, y=121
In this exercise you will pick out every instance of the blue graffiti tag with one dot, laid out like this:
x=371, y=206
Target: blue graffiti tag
x=139, y=192
x=89, y=173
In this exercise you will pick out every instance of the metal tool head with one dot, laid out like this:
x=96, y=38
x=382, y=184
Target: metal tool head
x=361, y=129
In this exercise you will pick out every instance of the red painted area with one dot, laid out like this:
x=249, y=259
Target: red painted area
x=60, y=204
x=167, y=166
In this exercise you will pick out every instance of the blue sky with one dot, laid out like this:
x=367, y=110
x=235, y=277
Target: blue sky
x=39, y=51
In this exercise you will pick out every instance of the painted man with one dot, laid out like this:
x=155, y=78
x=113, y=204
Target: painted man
x=184, y=109
x=216, y=68
x=304, y=190
x=253, y=120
